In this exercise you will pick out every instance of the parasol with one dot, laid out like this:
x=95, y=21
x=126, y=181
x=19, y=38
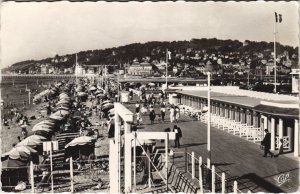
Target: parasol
x=151, y=84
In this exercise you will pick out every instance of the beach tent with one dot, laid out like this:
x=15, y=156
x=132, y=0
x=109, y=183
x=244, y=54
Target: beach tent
x=20, y=153
x=79, y=141
x=42, y=127
x=83, y=145
x=56, y=117
x=32, y=141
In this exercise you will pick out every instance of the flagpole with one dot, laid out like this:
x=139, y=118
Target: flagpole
x=275, y=66
x=167, y=69
x=76, y=66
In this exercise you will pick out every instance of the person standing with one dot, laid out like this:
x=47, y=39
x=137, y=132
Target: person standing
x=280, y=150
x=152, y=116
x=266, y=142
x=178, y=135
x=177, y=114
x=163, y=113
x=172, y=114
x=138, y=118
x=137, y=107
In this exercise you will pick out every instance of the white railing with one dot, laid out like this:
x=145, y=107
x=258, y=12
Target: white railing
x=240, y=129
x=216, y=178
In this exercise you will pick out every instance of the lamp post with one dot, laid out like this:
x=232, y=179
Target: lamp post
x=208, y=121
x=167, y=69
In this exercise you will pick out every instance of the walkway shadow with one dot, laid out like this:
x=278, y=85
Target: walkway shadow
x=258, y=181
x=191, y=145
x=221, y=164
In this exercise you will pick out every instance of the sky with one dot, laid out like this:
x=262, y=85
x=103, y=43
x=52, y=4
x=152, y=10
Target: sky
x=31, y=30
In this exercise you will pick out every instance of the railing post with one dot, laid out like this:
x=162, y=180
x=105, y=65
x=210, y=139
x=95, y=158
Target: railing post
x=71, y=175
x=223, y=183
x=213, y=177
x=208, y=163
x=193, y=165
x=235, y=187
x=31, y=177
x=186, y=160
x=200, y=175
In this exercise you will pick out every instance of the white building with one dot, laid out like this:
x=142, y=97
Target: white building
x=79, y=70
x=295, y=80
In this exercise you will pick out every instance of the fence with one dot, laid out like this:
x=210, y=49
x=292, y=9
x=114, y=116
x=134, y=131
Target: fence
x=74, y=176
x=209, y=180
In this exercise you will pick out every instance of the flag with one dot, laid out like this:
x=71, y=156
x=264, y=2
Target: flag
x=278, y=18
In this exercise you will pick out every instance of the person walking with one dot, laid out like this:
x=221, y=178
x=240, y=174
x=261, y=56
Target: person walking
x=178, y=135
x=152, y=116
x=266, y=142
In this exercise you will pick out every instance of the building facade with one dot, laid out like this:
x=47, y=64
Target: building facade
x=140, y=69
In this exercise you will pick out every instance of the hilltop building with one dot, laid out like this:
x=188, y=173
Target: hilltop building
x=140, y=69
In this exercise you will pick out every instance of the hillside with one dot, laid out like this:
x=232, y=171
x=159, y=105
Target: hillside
x=182, y=51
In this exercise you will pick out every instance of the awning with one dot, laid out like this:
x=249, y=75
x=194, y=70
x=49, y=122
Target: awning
x=276, y=111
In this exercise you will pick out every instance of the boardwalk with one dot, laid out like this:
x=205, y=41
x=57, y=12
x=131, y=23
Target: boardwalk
x=238, y=158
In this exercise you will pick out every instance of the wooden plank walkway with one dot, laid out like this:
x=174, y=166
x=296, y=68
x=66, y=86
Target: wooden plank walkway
x=237, y=157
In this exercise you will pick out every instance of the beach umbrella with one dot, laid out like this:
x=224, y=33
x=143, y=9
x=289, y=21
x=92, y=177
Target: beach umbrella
x=112, y=111
x=204, y=109
x=63, y=101
x=62, y=107
x=63, y=94
x=93, y=88
x=20, y=152
x=106, y=101
x=32, y=140
x=57, y=117
x=100, y=95
x=61, y=112
x=42, y=127
x=151, y=84
x=107, y=106
x=79, y=89
x=99, y=92
x=65, y=98
x=82, y=94
x=47, y=122
x=80, y=141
